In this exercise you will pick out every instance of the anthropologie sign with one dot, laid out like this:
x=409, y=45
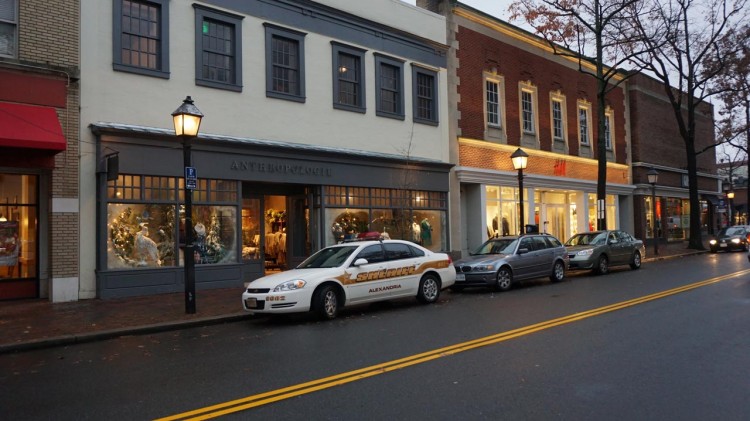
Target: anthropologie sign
x=282, y=168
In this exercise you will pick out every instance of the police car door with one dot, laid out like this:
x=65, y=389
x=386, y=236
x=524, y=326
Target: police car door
x=369, y=282
x=402, y=269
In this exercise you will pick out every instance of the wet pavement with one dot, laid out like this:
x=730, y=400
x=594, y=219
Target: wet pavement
x=38, y=323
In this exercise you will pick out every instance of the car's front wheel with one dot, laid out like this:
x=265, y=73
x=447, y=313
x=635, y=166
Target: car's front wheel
x=504, y=279
x=429, y=289
x=326, y=303
x=602, y=265
x=558, y=272
x=636, y=262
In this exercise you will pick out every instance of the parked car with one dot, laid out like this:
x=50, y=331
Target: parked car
x=730, y=239
x=500, y=262
x=599, y=250
x=352, y=273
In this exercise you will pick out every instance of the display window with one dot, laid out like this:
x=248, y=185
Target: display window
x=610, y=207
x=417, y=216
x=251, y=224
x=146, y=222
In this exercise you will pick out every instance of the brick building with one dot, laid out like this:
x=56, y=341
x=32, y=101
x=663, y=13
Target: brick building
x=508, y=90
x=657, y=144
x=39, y=128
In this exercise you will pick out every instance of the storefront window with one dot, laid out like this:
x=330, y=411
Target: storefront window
x=678, y=219
x=18, y=226
x=146, y=232
x=215, y=239
x=140, y=235
x=610, y=208
x=416, y=216
x=502, y=211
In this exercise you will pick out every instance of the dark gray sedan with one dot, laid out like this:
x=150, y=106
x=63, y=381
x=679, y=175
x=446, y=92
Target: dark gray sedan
x=598, y=250
x=500, y=262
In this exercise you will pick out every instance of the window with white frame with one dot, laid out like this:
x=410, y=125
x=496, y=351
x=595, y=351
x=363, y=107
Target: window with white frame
x=492, y=102
x=584, y=127
x=8, y=28
x=608, y=116
x=527, y=111
x=558, y=124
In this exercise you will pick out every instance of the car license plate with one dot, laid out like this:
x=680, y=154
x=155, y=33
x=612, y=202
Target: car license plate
x=251, y=302
x=723, y=245
x=460, y=277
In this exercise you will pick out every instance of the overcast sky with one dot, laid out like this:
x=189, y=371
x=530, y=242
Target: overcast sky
x=497, y=8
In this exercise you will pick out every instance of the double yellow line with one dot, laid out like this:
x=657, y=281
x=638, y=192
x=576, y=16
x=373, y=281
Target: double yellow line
x=374, y=370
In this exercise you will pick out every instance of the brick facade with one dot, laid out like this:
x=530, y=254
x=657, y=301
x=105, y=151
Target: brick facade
x=45, y=73
x=499, y=55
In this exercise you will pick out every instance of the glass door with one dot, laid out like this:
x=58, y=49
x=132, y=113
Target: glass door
x=18, y=236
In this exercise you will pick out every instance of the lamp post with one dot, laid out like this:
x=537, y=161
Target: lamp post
x=187, y=121
x=727, y=187
x=653, y=177
x=520, y=159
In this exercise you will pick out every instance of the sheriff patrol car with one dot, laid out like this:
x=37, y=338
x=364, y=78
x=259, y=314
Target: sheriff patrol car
x=352, y=273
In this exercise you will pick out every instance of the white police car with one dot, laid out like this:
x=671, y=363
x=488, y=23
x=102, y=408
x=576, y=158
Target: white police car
x=352, y=273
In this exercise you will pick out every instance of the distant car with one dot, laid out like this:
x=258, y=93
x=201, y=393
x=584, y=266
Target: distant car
x=599, y=250
x=730, y=239
x=502, y=261
x=352, y=273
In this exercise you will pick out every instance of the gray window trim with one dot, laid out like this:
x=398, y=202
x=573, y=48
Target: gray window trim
x=379, y=60
x=228, y=19
x=163, y=71
x=415, y=71
x=299, y=37
x=336, y=49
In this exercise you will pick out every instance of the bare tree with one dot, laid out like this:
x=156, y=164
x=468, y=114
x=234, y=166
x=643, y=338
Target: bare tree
x=689, y=37
x=733, y=85
x=577, y=28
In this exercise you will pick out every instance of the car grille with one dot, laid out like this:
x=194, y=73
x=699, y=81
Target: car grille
x=464, y=268
x=258, y=290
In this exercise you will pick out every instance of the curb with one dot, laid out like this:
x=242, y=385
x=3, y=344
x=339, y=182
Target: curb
x=672, y=256
x=116, y=333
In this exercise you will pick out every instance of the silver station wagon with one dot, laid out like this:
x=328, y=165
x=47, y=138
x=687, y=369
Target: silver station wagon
x=502, y=261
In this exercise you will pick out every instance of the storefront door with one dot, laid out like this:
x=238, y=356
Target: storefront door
x=298, y=248
x=18, y=236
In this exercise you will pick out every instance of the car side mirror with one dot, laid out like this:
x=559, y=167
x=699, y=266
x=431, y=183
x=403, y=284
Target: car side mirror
x=523, y=251
x=361, y=261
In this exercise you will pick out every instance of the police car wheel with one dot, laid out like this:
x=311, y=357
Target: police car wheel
x=429, y=289
x=326, y=303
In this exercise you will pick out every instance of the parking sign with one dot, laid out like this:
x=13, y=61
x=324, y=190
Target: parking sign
x=191, y=178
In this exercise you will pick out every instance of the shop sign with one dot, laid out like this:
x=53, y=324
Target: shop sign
x=191, y=178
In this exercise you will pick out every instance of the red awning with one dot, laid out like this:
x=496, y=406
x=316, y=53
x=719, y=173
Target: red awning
x=30, y=126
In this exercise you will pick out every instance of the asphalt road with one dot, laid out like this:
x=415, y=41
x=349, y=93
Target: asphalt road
x=628, y=345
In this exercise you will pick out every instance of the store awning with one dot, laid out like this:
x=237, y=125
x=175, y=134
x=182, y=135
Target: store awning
x=711, y=198
x=30, y=127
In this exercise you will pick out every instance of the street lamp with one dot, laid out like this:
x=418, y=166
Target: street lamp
x=520, y=158
x=730, y=195
x=727, y=187
x=187, y=120
x=653, y=177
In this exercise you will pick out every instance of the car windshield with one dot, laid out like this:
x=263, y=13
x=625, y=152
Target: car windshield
x=499, y=246
x=587, y=239
x=733, y=231
x=330, y=257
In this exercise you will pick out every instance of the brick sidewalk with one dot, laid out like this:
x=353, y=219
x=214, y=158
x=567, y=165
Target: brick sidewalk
x=29, y=324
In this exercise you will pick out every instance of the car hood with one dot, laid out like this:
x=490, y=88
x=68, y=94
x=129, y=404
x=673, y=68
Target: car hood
x=307, y=275
x=729, y=237
x=483, y=259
